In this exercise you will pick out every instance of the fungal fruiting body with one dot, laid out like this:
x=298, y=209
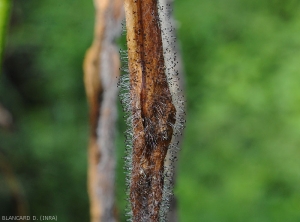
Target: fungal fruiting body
x=151, y=111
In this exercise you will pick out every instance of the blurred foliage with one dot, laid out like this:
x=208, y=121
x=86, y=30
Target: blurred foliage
x=239, y=160
x=42, y=87
x=4, y=12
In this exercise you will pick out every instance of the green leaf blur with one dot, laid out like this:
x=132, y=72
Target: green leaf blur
x=4, y=12
x=240, y=158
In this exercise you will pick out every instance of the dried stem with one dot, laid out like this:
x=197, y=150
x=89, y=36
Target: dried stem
x=152, y=108
x=175, y=68
x=14, y=186
x=101, y=69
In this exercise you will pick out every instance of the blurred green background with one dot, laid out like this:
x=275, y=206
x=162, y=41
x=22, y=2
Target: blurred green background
x=240, y=155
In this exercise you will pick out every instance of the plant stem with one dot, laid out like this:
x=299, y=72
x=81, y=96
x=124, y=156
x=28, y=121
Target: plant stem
x=152, y=108
x=101, y=69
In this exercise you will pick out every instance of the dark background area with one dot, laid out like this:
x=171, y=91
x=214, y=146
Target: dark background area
x=240, y=155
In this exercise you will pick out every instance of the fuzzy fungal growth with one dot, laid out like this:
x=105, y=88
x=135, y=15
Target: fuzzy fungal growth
x=153, y=109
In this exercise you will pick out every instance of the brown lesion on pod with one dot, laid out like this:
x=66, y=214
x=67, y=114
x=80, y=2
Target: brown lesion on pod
x=152, y=108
